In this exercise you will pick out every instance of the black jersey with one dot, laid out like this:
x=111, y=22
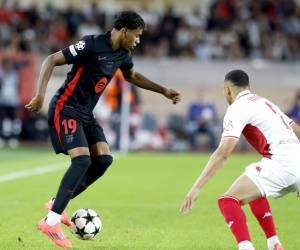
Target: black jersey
x=94, y=64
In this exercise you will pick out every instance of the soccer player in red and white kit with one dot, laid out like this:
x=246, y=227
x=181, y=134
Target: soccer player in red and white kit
x=276, y=138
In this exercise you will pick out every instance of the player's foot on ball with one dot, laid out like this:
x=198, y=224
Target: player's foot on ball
x=278, y=247
x=65, y=219
x=55, y=233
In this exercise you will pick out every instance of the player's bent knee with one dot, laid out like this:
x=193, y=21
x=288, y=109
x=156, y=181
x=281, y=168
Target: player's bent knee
x=103, y=161
x=79, y=165
x=82, y=160
x=225, y=198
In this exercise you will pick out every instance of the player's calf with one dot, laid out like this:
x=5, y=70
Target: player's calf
x=70, y=181
x=236, y=220
x=262, y=211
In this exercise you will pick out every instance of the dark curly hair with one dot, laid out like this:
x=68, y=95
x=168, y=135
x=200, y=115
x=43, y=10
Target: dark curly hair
x=238, y=78
x=130, y=20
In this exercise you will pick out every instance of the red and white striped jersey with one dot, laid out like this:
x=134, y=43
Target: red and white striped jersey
x=263, y=124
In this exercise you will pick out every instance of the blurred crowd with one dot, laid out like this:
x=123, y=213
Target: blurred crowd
x=120, y=114
x=228, y=29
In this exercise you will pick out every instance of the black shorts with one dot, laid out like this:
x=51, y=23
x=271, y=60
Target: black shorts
x=68, y=132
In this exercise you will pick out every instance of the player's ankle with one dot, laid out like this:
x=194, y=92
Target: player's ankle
x=246, y=245
x=272, y=241
x=53, y=218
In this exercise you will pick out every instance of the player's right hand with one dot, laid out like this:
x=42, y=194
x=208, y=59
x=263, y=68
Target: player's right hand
x=173, y=95
x=35, y=104
x=189, y=201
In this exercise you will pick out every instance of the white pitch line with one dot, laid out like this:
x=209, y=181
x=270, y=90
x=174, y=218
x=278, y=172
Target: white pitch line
x=30, y=172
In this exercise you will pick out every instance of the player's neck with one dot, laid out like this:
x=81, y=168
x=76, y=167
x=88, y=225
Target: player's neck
x=236, y=93
x=115, y=39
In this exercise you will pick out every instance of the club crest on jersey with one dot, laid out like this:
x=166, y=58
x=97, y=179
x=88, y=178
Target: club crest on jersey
x=100, y=85
x=80, y=45
x=69, y=138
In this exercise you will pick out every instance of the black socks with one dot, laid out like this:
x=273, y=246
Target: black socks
x=70, y=181
x=97, y=168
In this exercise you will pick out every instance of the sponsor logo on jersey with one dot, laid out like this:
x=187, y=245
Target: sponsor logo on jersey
x=100, y=58
x=100, y=85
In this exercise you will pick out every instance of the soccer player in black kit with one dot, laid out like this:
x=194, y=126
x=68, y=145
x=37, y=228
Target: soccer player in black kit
x=73, y=128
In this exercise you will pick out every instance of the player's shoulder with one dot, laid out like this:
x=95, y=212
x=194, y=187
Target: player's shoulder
x=85, y=43
x=240, y=106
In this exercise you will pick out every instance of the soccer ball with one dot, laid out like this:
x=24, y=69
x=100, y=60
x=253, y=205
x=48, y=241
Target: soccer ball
x=86, y=223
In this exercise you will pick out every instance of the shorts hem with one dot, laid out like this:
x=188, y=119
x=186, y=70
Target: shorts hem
x=254, y=180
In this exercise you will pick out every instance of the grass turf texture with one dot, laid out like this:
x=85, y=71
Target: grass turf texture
x=138, y=201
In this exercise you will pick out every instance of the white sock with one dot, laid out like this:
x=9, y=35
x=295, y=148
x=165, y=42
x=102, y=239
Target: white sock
x=272, y=241
x=53, y=218
x=246, y=245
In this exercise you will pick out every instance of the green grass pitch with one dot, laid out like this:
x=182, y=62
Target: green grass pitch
x=138, y=201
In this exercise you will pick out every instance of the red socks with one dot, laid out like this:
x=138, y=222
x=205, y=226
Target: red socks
x=262, y=211
x=235, y=218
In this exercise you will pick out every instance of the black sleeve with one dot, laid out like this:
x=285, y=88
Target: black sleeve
x=127, y=63
x=78, y=50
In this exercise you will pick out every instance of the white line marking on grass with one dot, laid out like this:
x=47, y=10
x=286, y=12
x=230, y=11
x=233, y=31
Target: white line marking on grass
x=30, y=172
x=37, y=171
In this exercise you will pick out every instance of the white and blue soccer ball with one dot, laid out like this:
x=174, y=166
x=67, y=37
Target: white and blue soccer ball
x=86, y=223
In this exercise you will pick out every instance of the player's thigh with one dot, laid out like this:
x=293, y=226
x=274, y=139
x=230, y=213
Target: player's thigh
x=244, y=189
x=99, y=148
x=78, y=152
x=68, y=136
x=96, y=140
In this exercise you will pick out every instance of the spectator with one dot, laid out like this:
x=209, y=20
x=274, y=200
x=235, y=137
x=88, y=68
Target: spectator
x=294, y=112
x=10, y=125
x=202, y=118
x=231, y=30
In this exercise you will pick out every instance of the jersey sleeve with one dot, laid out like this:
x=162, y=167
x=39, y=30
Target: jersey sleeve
x=235, y=120
x=78, y=50
x=127, y=63
x=287, y=119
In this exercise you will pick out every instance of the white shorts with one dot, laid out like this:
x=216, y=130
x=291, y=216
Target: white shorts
x=273, y=178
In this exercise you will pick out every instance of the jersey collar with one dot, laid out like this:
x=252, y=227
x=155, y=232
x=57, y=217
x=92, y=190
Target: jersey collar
x=243, y=93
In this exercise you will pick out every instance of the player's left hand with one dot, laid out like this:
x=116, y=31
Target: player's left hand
x=189, y=201
x=173, y=95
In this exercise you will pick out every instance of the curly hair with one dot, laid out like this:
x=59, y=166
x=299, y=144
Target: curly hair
x=130, y=20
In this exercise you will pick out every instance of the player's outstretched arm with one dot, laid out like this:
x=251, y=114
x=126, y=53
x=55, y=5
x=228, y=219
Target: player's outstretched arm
x=143, y=82
x=296, y=129
x=215, y=162
x=49, y=63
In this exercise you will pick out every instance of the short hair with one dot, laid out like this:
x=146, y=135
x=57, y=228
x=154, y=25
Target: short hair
x=238, y=78
x=130, y=20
